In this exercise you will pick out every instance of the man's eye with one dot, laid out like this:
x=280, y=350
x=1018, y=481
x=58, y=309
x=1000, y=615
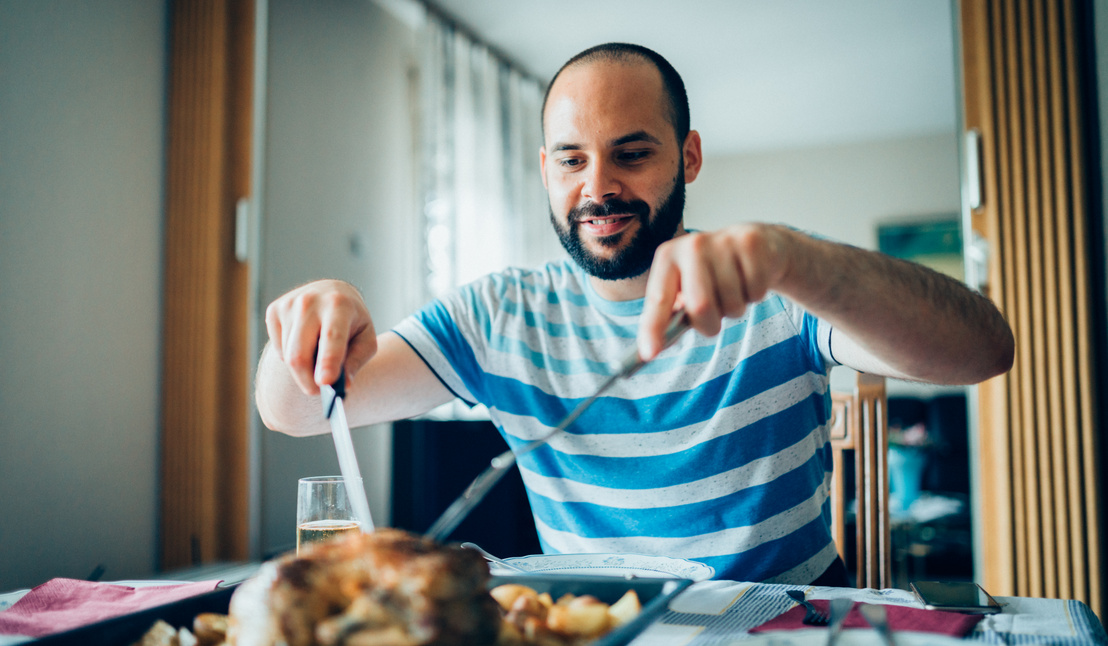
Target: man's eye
x=570, y=162
x=633, y=155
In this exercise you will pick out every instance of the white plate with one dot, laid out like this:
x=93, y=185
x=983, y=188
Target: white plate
x=610, y=565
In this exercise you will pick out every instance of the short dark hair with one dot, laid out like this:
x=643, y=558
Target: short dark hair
x=626, y=52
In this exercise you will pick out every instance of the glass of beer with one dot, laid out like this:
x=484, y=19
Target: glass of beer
x=323, y=509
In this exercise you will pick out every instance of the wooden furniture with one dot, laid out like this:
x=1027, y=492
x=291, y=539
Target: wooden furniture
x=205, y=442
x=859, y=437
x=1029, y=88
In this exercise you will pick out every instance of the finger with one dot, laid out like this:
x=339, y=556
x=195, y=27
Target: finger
x=699, y=288
x=756, y=275
x=760, y=254
x=731, y=294
x=662, y=289
x=359, y=351
x=273, y=328
x=334, y=333
x=302, y=329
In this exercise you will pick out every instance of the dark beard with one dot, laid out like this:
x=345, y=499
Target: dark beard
x=634, y=259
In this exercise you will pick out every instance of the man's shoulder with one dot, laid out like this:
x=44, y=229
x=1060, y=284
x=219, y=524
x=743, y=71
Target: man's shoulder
x=552, y=277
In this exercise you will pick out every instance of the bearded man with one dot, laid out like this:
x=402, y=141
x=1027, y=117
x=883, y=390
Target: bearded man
x=717, y=451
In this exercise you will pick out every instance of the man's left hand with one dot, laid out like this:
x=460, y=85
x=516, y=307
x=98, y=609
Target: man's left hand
x=712, y=276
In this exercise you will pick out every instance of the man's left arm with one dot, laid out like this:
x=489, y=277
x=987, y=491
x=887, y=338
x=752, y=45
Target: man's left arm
x=890, y=316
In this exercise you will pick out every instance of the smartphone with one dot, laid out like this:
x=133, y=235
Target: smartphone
x=955, y=596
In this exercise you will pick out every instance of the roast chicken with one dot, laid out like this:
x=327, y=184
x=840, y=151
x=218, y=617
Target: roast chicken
x=389, y=588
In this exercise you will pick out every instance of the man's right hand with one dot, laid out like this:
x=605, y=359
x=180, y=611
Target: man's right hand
x=319, y=328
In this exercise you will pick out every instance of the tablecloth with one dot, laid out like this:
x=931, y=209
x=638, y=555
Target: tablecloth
x=716, y=613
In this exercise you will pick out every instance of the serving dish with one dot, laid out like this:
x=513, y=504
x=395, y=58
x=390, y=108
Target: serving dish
x=654, y=594
x=618, y=565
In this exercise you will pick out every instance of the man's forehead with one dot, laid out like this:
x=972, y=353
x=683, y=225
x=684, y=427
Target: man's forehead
x=630, y=91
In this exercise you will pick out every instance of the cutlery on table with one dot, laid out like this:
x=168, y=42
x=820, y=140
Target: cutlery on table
x=877, y=617
x=484, y=482
x=812, y=616
x=840, y=608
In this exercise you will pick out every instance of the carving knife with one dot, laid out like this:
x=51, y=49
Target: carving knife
x=333, y=410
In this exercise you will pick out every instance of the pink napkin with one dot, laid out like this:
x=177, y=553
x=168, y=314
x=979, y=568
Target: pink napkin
x=63, y=604
x=954, y=624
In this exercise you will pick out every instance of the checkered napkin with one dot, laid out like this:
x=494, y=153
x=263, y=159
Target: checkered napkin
x=901, y=618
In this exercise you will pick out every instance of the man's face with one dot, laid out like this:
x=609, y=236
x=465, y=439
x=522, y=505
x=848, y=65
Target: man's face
x=612, y=166
x=631, y=253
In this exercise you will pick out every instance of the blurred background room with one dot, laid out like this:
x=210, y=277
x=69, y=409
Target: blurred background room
x=145, y=224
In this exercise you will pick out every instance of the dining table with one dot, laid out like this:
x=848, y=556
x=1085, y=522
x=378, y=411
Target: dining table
x=721, y=612
x=716, y=613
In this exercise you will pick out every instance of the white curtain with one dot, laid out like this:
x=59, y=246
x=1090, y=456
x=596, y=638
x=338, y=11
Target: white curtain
x=483, y=201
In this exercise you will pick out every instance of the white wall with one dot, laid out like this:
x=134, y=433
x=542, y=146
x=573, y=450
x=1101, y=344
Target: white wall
x=842, y=192
x=81, y=163
x=339, y=203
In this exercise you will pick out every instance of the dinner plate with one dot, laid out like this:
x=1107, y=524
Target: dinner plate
x=622, y=565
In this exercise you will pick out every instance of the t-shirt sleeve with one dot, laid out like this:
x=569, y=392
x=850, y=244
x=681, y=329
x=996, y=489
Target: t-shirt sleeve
x=816, y=332
x=450, y=335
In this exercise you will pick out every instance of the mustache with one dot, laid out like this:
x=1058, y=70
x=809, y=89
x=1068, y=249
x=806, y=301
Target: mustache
x=611, y=208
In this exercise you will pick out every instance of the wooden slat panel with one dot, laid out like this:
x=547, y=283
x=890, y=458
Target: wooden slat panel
x=1037, y=297
x=994, y=419
x=1090, y=473
x=1045, y=54
x=233, y=447
x=1030, y=584
x=189, y=401
x=204, y=376
x=1010, y=283
x=1028, y=103
x=1069, y=424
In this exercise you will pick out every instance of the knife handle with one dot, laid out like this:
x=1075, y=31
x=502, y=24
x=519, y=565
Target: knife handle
x=340, y=383
x=330, y=394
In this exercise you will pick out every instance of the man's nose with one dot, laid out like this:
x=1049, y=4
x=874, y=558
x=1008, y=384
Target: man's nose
x=601, y=182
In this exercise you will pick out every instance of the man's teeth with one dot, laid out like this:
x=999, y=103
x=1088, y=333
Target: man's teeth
x=606, y=221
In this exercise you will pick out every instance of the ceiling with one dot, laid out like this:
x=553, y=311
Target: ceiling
x=760, y=74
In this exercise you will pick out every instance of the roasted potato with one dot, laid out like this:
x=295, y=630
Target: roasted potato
x=533, y=619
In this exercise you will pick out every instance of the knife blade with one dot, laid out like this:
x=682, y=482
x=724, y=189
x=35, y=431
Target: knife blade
x=483, y=483
x=333, y=409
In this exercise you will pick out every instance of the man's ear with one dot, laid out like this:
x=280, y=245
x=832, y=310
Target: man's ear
x=542, y=166
x=693, y=156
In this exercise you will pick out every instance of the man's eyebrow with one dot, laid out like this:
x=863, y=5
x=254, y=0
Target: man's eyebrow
x=640, y=135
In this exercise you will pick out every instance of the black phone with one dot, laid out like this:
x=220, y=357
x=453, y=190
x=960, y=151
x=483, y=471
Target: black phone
x=955, y=596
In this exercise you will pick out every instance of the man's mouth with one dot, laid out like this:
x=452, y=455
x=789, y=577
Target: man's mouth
x=603, y=221
x=606, y=226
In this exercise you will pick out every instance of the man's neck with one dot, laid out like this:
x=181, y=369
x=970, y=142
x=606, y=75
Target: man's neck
x=626, y=289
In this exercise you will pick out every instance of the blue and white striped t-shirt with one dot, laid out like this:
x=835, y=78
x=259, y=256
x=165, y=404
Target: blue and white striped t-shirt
x=716, y=451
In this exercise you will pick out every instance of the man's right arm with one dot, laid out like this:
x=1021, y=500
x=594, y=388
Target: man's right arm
x=315, y=331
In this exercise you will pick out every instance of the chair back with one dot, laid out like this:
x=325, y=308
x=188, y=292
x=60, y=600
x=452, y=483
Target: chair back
x=859, y=439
